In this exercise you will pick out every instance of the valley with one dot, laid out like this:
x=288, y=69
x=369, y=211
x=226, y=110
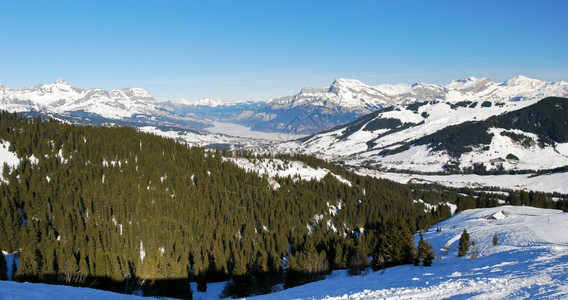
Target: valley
x=334, y=177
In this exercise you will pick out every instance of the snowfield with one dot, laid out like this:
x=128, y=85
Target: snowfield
x=278, y=168
x=529, y=262
x=548, y=183
x=16, y=290
x=7, y=157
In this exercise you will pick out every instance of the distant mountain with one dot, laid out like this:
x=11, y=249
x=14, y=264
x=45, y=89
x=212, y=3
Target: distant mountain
x=87, y=106
x=213, y=110
x=313, y=110
x=451, y=137
x=310, y=111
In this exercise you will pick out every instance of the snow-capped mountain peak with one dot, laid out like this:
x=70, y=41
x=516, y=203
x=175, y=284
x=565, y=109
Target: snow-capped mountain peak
x=61, y=97
x=342, y=84
x=521, y=80
x=61, y=81
x=137, y=93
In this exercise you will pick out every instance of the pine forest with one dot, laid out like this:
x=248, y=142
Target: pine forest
x=122, y=210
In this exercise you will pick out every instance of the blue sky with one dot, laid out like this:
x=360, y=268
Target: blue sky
x=256, y=50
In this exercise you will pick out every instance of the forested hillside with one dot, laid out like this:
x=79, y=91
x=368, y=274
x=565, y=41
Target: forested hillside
x=118, y=209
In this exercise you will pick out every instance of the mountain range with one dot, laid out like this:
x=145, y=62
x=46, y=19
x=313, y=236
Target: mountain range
x=127, y=106
x=310, y=111
x=463, y=126
x=313, y=110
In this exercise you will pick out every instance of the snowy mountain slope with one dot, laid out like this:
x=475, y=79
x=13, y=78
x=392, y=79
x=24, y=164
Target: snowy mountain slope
x=438, y=137
x=62, y=101
x=530, y=261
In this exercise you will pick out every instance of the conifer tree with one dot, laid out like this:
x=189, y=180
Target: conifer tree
x=425, y=251
x=463, y=247
x=396, y=245
x=495, y=240
x=359, y=261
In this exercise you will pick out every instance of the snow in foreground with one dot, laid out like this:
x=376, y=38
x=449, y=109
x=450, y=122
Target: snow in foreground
x=16, y=290
x=530, y=261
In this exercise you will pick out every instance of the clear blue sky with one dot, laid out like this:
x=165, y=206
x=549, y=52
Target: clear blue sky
x=256, y=50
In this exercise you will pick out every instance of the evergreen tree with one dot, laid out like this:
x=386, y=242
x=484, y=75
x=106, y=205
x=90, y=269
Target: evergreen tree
x=425, y=251
x=359, y=260
x=396, y=245
x=239, y=284
x=463, y=247
x=495, y=240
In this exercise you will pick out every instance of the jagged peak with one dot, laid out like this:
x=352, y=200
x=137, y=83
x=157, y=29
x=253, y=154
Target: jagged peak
x=417, y=84
x=60, y=81
x=345, y=83
x=136, y=92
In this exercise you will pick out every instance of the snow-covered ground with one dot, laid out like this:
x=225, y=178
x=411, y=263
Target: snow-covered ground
x=279, y=168
x=7, y=157
x=529, y=262
x=548, y=183
x=15, y=290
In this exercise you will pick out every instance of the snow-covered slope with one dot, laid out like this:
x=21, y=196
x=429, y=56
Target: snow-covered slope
x=530, y=262
x=278, y=168
x=437, y=136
